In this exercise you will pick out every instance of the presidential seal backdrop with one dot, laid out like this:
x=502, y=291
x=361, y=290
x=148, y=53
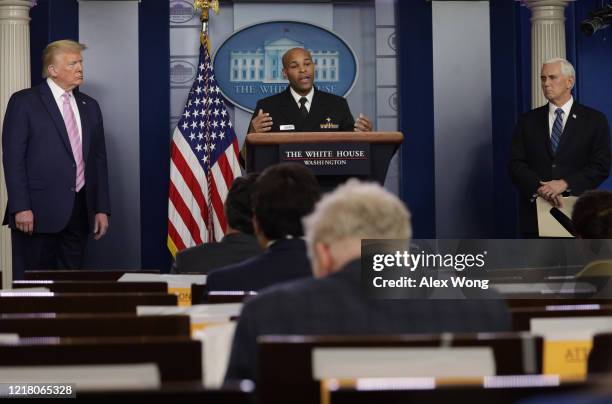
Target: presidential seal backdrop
x=249, y=67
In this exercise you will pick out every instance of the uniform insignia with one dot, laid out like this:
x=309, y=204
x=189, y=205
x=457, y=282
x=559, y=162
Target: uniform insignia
x=329, y=125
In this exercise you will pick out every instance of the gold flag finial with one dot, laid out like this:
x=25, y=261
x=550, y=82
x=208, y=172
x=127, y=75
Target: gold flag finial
x=205, y=5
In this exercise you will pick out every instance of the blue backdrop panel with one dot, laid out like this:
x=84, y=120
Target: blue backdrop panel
x=417, y=186
x=505, y=73
x=154, y=54
x=593, y=67
x=50, y=21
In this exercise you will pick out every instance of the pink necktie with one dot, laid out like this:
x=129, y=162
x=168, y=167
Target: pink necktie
x=75, y=141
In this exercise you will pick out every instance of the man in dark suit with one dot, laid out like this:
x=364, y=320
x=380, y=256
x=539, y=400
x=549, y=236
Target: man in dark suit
x=334, y=303
x=54, y=158
x=301, y=107
x=283, y=195
x=239, y=242
x=560, y=148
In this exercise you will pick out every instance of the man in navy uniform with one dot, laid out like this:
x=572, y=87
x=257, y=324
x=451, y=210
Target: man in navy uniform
x=302, y=107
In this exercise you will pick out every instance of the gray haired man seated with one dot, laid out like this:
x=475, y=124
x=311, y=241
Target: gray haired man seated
x=332, y=302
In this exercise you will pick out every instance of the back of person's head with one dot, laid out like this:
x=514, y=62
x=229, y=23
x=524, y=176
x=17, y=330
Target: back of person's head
x=283, y=194
x=592, y=215
x=238, y=205
x=354, y=211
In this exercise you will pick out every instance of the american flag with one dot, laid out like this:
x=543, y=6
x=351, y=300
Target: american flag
x=203, y=164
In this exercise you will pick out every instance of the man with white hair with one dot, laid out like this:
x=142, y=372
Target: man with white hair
x=558, y=149
x=332, y=302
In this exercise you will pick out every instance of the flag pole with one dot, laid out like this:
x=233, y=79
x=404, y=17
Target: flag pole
x=204, y=6
x=200, y=177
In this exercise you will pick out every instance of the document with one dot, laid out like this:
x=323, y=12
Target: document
x=548, y=226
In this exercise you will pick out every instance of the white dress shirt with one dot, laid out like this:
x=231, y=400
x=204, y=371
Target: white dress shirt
x=57, y=92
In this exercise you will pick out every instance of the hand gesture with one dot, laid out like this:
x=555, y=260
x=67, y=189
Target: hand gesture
x=363, y=124
x=261, y=123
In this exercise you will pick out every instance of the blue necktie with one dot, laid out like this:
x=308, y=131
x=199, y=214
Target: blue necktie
x=557, y=130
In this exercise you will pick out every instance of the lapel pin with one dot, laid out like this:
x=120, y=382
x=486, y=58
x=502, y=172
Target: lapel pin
x=574, y=116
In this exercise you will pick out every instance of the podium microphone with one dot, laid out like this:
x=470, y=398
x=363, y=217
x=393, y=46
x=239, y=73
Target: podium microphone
x=563, y=220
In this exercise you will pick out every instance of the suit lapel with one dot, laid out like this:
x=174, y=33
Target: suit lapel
x=317, y=109
x=290, y=110
x=49, y=102
x=570, y=126
x=545, y=129
x=85, y=129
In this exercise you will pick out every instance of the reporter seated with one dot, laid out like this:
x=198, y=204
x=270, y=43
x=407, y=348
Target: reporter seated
x=332, y=302
x=239, y=242
x=283, y=195
x=592, y=215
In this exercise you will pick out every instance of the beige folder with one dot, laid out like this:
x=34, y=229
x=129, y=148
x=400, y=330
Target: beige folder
x=548, y=226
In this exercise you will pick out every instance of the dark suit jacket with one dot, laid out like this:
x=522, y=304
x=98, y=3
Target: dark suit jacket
x=335, y=305
x=204, y=258
x=283, y=261
x=284, y=111
x=39, y=166
x=582, y=158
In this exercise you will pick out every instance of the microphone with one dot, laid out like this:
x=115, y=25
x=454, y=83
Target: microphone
x=563, y=220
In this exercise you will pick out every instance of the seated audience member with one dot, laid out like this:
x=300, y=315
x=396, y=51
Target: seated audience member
x=283, y=195
x=592, y=215
x=592, y=220
x=239, y=242
x=332, y=302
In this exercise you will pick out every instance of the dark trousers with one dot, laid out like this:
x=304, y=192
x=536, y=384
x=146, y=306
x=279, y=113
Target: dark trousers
x=63, y=250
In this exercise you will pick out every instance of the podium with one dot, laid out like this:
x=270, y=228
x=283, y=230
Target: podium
x=332, y=156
